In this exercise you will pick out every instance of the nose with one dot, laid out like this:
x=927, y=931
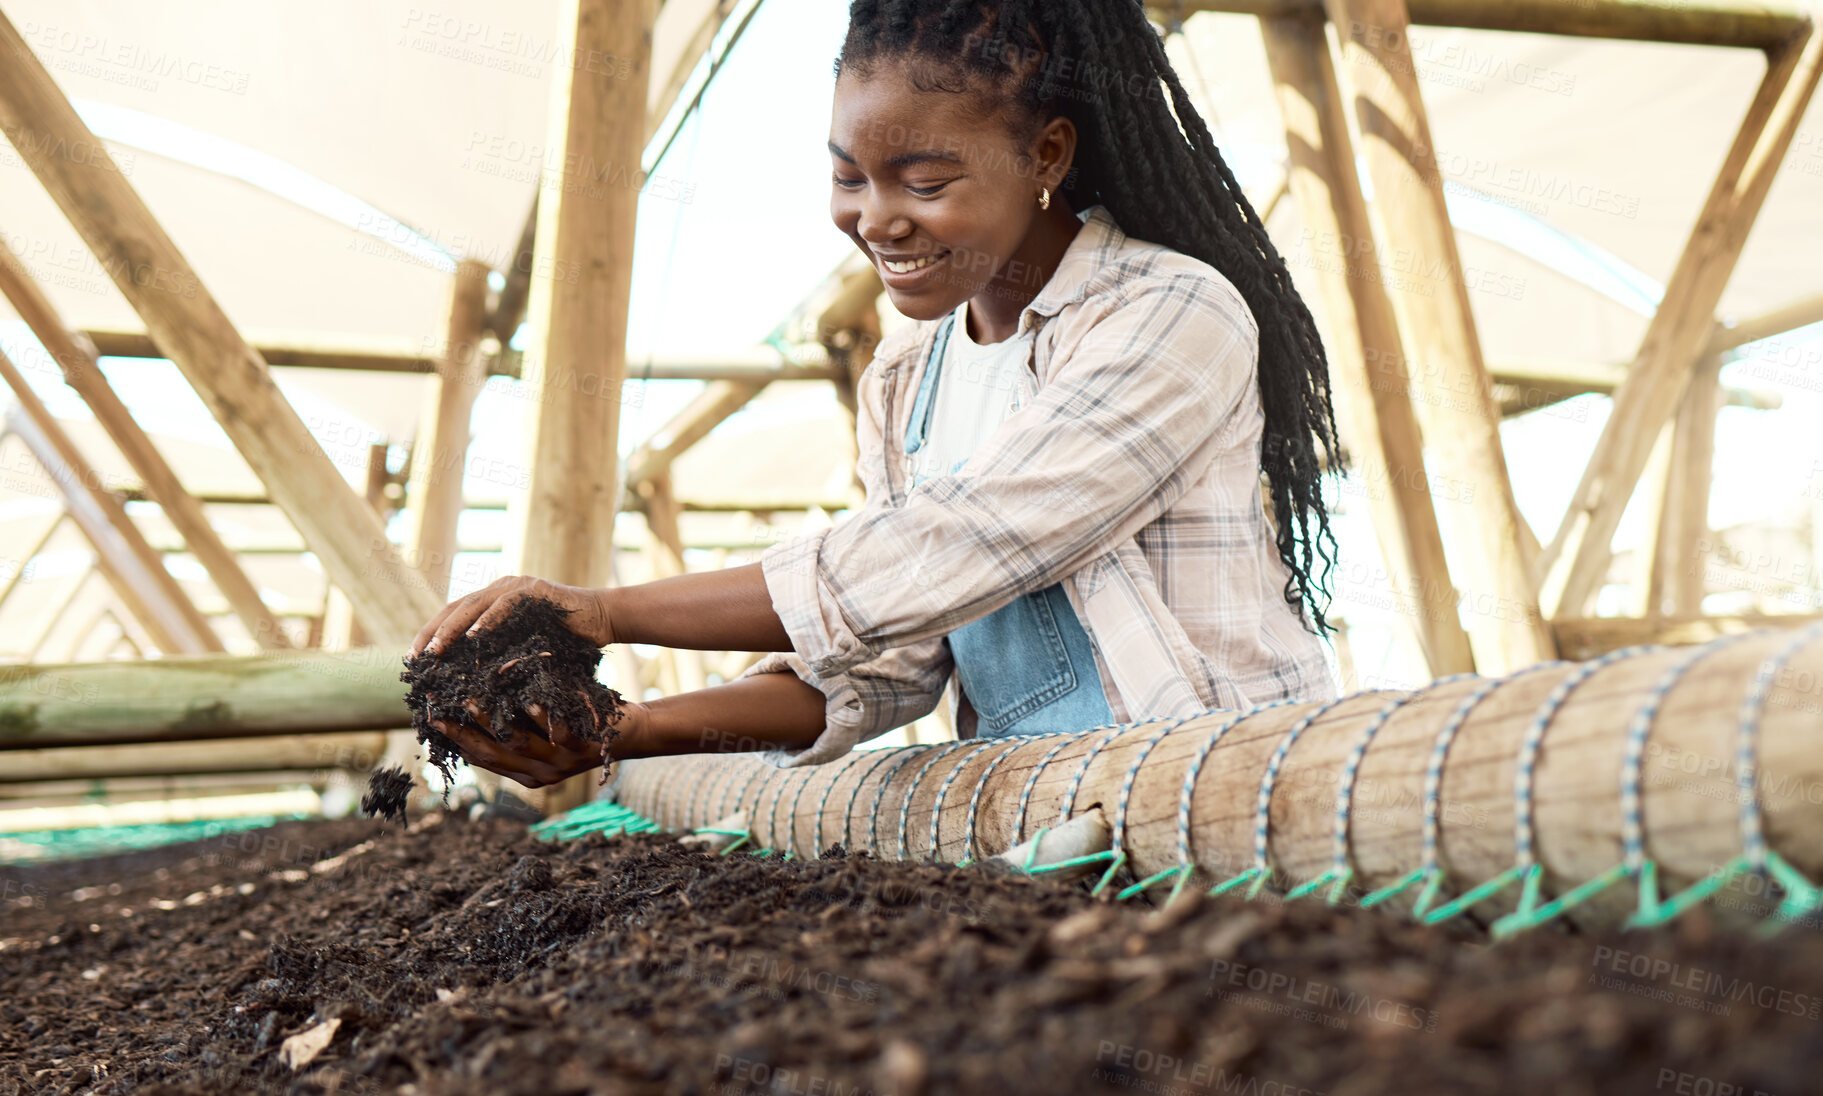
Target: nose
x=881, y=222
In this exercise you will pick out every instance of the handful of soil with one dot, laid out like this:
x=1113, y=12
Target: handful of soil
x=528, y=658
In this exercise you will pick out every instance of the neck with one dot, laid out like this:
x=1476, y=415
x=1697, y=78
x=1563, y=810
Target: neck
x=993, y=313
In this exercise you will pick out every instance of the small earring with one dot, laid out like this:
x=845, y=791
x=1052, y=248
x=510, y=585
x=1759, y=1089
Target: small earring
x=1044, y=197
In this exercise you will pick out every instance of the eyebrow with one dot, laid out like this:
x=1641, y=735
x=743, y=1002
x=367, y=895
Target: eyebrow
x=903, y=159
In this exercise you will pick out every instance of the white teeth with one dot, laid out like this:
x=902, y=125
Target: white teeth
x=907, y=268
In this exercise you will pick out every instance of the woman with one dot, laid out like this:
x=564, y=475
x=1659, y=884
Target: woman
x=1062, y=460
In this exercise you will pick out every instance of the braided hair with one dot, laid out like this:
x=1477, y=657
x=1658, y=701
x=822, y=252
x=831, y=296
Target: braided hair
x=1146, y=156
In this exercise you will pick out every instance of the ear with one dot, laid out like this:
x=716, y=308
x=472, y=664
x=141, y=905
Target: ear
x=1053, y=152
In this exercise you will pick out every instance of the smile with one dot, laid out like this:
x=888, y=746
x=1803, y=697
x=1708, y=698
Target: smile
x=909, y=265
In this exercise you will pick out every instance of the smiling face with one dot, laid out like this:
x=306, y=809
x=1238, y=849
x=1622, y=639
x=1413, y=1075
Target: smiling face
x=943, y=200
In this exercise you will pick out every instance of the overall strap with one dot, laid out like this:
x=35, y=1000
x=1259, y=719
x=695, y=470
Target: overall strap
x=919, y=427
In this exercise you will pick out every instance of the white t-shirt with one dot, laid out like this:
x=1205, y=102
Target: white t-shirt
x=978, y=389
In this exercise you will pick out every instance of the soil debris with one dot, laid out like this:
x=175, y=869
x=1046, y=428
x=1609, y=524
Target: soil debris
x=529, y=658
x=387, y=789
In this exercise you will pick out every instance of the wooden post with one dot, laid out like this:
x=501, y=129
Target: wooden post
x=136, y=572
x=1676, y=583
x=191, y=328
x=1452, y=389
x=577, y=351
x=433, y=494
x=1365, y=351
x=1681, y=329
x=665, y=546
x=83, y=373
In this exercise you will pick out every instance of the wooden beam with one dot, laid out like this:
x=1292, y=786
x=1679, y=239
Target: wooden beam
x=82, y=373
x=1529, y=386
x=1366, y=354
x=1455, y=406
x=433, y=494
x=133, y=568
x=357, y=751
x=757, y=365
x=371, y=357
x=1800, y=313
x=195, y=698
x=565, y=530
x=1592, y=637
x=872, y=801
x=1680, y=332
x=509, y=307
x=1749, y=24
x=193, y=331
x=709, y=408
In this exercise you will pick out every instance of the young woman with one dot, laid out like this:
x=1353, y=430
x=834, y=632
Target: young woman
x=1063, y=460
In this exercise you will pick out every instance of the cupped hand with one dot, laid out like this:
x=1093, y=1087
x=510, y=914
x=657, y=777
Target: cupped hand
x=529, y=759
x=488, y=606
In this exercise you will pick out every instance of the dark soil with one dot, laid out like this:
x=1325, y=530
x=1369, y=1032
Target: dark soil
x=387, y=790
x=530, y=657
x=467, y=958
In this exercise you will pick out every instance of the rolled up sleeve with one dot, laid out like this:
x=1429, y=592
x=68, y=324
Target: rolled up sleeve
x=1142, y=397
x=867, y=700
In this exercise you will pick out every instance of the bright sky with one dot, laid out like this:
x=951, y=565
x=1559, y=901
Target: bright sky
x=753, y=163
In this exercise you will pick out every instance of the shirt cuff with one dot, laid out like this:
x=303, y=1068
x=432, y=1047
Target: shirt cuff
x=819, y=633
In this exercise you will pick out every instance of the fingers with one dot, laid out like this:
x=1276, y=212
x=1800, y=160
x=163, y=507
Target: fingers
x=430, y=629
x=483, y=752
x=503, y=604
x=462, y=615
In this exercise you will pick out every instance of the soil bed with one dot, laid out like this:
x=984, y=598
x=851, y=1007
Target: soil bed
x=468, y=958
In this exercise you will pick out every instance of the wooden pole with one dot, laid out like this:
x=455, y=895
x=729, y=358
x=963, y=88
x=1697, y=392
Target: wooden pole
x=1681, y=329
x=193, y=331
x=136, y=572
x=1365, y=351
x=707, y=410
x=358, y=751
x=665, y=549
x=82, y=373
x=1749, y=24
x=433, y=494
x=883, y=801
x=577, y=349
x=189, y=699
x=1431, y=301
x=1675, y=586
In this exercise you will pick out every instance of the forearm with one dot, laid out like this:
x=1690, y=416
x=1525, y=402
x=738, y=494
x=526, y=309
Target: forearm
x=765, y=711
x=726, y=610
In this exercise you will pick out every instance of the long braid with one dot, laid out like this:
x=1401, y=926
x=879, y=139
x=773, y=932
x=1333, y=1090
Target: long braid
x=1148, y=157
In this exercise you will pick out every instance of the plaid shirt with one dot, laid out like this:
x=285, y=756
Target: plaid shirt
x=1133, y=478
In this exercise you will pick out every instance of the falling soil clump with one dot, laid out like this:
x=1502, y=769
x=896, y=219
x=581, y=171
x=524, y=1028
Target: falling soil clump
x=468, y=959
x=529, y=658
x=386, y=792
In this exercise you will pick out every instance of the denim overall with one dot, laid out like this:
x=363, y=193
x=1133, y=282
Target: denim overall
x=1028, y=667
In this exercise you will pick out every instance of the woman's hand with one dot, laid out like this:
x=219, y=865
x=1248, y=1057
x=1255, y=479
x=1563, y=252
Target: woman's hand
x=539, y=762
x=487, y=607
